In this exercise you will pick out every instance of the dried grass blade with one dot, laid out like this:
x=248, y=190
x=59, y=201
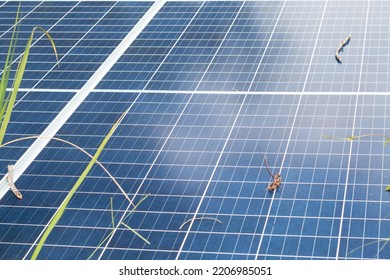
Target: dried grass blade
x=200, y=218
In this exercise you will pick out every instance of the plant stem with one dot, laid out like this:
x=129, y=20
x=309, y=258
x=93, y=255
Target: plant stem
x=10, y=101
x=351, y=138
x=113, y=225
x=60, y=212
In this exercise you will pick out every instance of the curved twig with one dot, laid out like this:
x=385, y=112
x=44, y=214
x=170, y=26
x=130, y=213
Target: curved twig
x=200, y=218
x=341, y=46
x=266, y=164
x=77, y=147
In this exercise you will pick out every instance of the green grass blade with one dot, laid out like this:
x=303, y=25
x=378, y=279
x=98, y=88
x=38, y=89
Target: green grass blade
x=65, y=203
x=334, y=138
x=50, y=39
x=14, y=91
x=18, y=80
x=136, y=206
x=113, y=225
x=101, y=244
x=7, y=65
x=108, y=236
x=136, y=233
x=131, y=212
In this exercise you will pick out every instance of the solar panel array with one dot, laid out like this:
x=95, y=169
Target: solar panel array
x=212, y=88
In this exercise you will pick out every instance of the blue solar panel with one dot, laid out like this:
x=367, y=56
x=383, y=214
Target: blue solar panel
x=212, y=89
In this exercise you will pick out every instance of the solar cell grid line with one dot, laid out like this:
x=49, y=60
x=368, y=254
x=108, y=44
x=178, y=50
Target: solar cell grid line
x=313, y=248
x=211, y=176
x=179, y=176
x=238, y=60
x=82, y=61
x=364, y=48
x=365, y=219
x=30, y=117
x=376, y=70
x=287, y=59
x=306, y=198
x=311, y=199
x=34, y=44
x=228, y=136
x=166, y=141
x=193, y=239
x=184, y=68
x=43, y=16
x=25, y=12
x=195, y=12
x=73, y=47
x=368, y=172
x=20, y=99
x=185, y=56
x=271, y=247
x=133, y=70
x=25, y=31
x=267, y=45
x=304, y=87
x=353, y=133
x=82, y=21
x=327, y=75
x=236, y=194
